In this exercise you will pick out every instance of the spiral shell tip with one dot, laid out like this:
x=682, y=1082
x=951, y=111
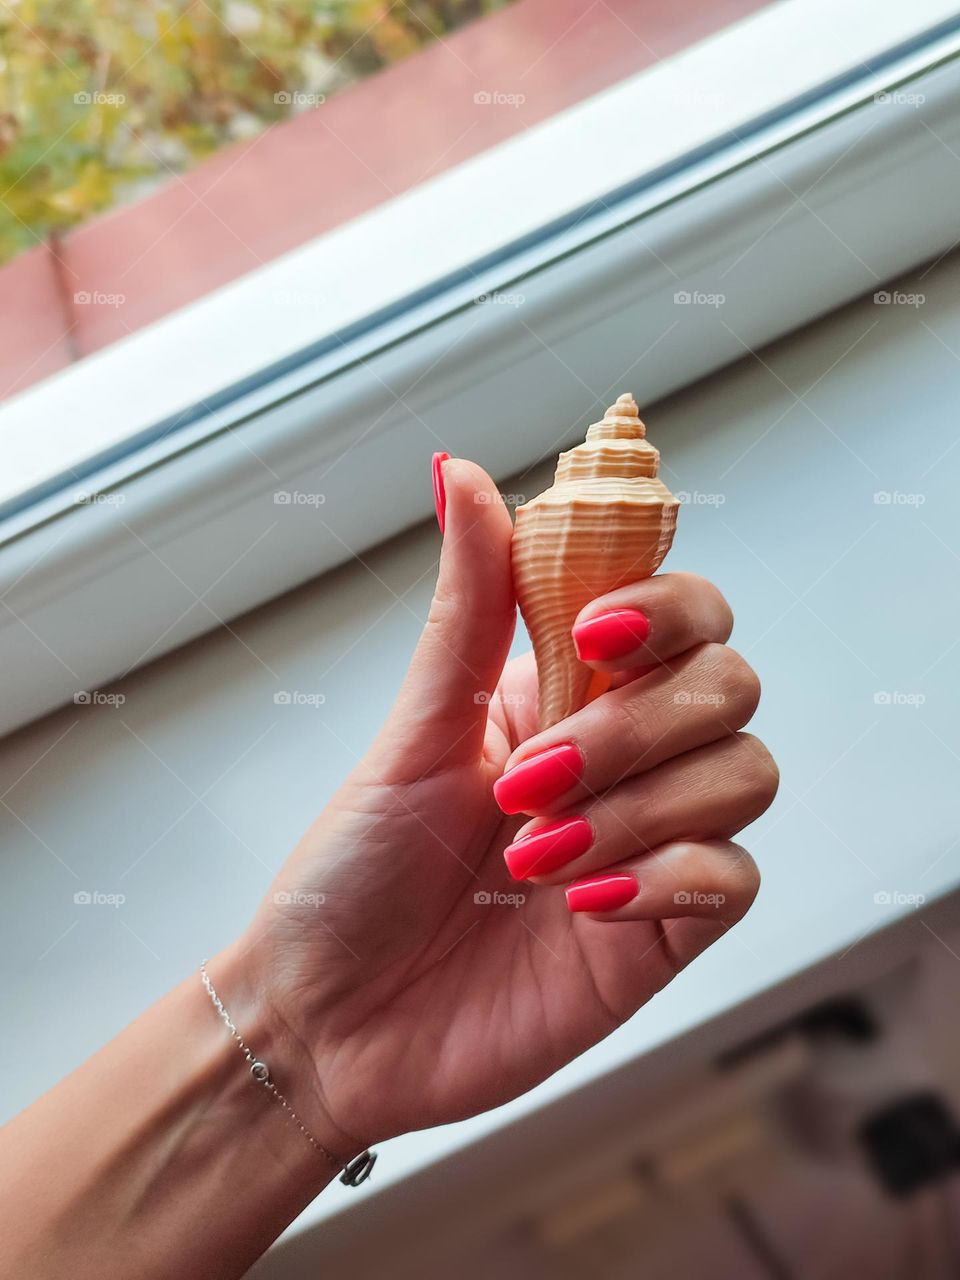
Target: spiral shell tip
x=625, y=406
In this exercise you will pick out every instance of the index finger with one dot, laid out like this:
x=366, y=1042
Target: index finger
x=649, y=622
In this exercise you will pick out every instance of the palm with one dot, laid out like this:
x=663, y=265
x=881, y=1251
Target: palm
x=431, y=978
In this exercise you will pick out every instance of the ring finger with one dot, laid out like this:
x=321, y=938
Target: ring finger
x=712, y=792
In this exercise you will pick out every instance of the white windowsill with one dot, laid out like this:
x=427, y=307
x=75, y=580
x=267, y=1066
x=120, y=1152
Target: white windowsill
x=820, y=213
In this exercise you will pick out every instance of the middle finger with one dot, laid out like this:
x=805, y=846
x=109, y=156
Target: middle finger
x=707, y=693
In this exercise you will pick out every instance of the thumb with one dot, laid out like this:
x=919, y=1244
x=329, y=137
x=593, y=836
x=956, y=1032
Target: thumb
x=440, y=716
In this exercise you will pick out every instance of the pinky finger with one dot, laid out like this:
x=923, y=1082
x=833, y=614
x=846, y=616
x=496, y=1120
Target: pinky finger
x=712, y=880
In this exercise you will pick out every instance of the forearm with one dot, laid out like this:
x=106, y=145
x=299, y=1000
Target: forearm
x=161, y=1156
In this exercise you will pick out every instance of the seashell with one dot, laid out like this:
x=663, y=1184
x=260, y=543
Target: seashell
x=607, y=520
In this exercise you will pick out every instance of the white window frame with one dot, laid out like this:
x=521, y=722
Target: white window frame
x=823, y=204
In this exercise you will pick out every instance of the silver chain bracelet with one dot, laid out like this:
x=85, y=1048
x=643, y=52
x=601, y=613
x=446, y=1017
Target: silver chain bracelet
x=352, y=1174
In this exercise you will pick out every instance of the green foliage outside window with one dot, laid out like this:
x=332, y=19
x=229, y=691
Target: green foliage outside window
x=102, y=99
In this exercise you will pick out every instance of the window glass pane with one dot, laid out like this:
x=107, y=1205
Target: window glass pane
x=151, y=152
x=197, y=194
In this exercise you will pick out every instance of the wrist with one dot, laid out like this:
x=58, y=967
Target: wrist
x=160, y=1156
x=244, y=976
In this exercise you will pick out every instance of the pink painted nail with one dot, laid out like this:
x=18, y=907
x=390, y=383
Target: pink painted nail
x=602, y=893
x=539, y=780
x=610, y=635
x=439, y=493
x=548, y=847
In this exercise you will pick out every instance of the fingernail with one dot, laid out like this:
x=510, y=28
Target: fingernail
x=610, y=635
x=439, y=493
x=548, y=847
x=602, y=893
x=537, y=781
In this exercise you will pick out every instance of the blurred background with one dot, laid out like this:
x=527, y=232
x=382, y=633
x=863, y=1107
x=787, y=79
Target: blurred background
x=257, y=262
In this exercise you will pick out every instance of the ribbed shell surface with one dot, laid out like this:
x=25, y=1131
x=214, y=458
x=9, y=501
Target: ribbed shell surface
x=607, y=520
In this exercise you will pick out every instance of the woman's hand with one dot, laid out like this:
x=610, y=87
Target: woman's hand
x=396, y=975
x=412, y=980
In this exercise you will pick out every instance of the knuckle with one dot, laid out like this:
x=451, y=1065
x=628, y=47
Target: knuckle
x=443, y=607
x=738, y=683
x=732, y=874
x=738, y=878
x=695, y=584
x=748, y=877
x=760, y=773
x=723, y=610
x=681, y=612
x=698, y=607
